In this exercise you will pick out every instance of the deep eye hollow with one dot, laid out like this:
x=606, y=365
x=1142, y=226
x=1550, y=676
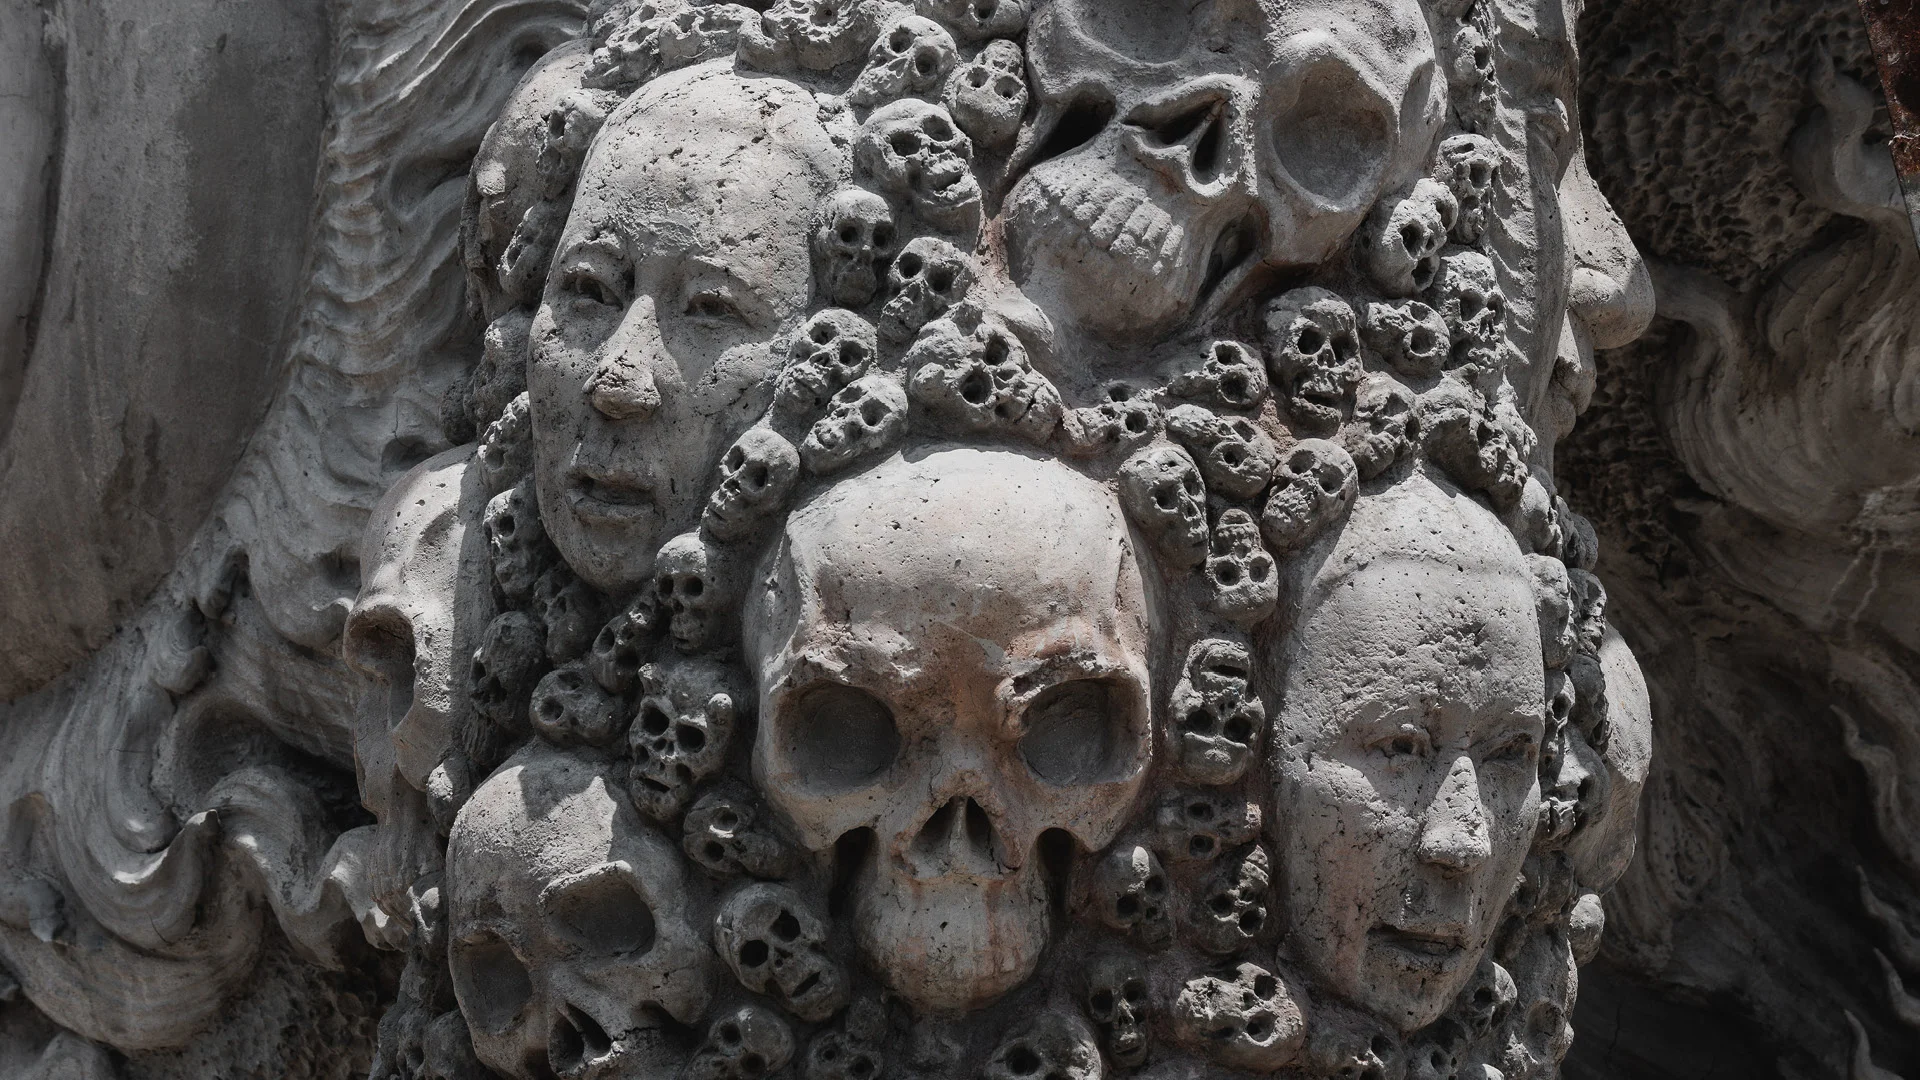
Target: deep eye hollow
x=1078, y=733
x=841, y=737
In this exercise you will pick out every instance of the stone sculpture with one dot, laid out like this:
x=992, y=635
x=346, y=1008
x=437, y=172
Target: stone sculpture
x=1006, y=538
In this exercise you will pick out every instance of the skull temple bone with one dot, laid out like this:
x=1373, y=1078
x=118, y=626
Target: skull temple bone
x=952, y=653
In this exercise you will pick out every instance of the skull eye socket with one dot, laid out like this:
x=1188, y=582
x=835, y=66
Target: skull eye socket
x=604, y=914
x=842, y=737
x=496, y=985
x=1076, y=733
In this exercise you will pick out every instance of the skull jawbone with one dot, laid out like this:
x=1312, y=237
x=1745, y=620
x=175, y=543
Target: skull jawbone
x=954, y=944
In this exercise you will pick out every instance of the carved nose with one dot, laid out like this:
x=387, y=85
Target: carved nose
x=958, y=839
x=1454, y=835
x=622, y=388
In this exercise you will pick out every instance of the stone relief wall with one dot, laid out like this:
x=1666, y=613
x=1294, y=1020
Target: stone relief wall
x=936, y=539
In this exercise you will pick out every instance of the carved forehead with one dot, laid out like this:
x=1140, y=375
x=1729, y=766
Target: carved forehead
x=967, y=537
x=542, y=814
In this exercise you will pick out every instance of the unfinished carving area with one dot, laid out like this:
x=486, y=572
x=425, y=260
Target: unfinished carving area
x=1025, y=539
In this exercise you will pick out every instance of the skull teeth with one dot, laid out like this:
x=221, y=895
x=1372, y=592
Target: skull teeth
x=1118, y=219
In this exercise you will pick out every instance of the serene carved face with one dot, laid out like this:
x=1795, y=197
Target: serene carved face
x=568, y=938
x=1407, y=747
x=1211, y=138
x=952, y=653
x=687, y=249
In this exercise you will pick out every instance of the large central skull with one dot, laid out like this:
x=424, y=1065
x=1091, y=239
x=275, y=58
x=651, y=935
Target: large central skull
x=951, y=652
x=570, y=947
x=1180, y=145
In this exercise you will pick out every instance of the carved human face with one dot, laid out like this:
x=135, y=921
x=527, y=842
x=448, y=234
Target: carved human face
x=569, y=941
x=687, y=249
x=954, y=656
x=1406, y=753
x=1225, y=135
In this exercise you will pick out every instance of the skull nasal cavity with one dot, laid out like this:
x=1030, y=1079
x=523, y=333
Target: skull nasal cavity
x=961, y=825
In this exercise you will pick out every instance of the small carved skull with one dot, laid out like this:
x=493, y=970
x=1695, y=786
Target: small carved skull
x=1246, y=1018
x=1196, y=826
x=572, y=612
x=911, y=58
x=568, y=938
x=914, y=151
x=1230, y=375
x=1400, y=245
x=1116, y=1000
x=757, y=474
x=1127, y=891
x=516, y=540
x=1313, y=352
x=748, y=1043
x=1245, y=583
x=977, y=20
x=726, y=831
x=978, y=378
x=570, y=709
x=1127, y=419
x=508, y=663
x=865, y=418
x=840, y=1056
x=681, y=730
x=1477, y=454
x=828, y=351
x=1468, y=165
x=854, y=239
x=1231, y=913
x=693, y=588
x=1410, y=336
x=1351, y=1045
x=776, y=946
x=699, y=33
x=1215, y=718
x=1467, y=294
x=926, y=280
x=1235, y=456
x=614, y=658
x=1162, y=492
x=1056, y=1046
x=1314, y=486
x=812, y=35
x=988, y=95
x=1384, y=427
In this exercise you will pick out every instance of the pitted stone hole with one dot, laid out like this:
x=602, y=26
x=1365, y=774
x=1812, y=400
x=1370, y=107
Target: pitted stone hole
x=977, y=387
x=1310, y=341
x=1250, y=922
x=1265, y=985
x=654, y=720
x=1228, y=574
x=786, y=927
x=824, y=15
x=1239, y=729
x=754, y=953
x=1022, y=1060
x=1259, y=1027
x=1200, y=847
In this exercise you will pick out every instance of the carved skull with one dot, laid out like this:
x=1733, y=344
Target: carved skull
x=813, y=35
x=1231, y=375
x=1204, y=140
x=1235, y=456
x=1244, y=1018
x=976, y=377
x=748, y=1043
x=569, y=945
x=510, y=660
x=1314, y=486
x=914, y=151
x=1467, y=294
x=988, y=95
x=682, y=727
x=1127, y=419
x=776, y=946
x=1469, y=165
x=1231, y=913
x=1349, y=1044
x=977, y=20
x=614, y=657
x=516, y=541
x=1196, y=826
x=693, y=587
x=911, y=58
x=1056, y=1046
x=839, y=1056
x=1313, y=349
x=1410, y=336
x=570, y=709
x=1246, y=584
x=1384, y=427
x=925, y=281
x=572, y=612
x=865, y=418
x=1116, y=1000
x=705, y=32
x=726, y=831
x=757, y=473
x=1215, y=719
x=1127, y=890
x=882, y=710
x=1164, y=495
x=853, y=241
x=1400, y=245
x=828, y=351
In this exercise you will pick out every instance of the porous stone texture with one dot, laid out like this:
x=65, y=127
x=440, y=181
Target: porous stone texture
x=1025, y=539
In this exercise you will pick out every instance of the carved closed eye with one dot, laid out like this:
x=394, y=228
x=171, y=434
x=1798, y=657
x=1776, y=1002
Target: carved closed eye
x=1077, y=733
x=842, y=737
